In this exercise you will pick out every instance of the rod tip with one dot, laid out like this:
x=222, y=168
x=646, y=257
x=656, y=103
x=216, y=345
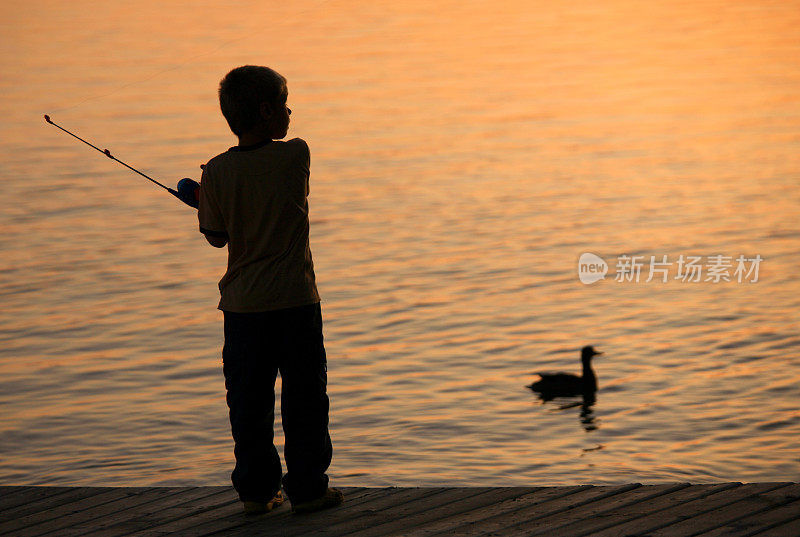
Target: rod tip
x=47, y=118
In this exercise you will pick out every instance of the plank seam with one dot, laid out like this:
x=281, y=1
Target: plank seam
x=657, y=494
x=175, y=519
x=94, y=492
x=46, y=531
x=20, y=490
x=456, y=500
x=773, y=526
x=424, y=496
x=758, y=512
x=609, y=494
x=558, y=497
x=44, y=498
x=637, y=517
x=459, y=513
x=235, y=517
x=136, y=506
x=365, y=497
x=14, y=490
x=128, y=532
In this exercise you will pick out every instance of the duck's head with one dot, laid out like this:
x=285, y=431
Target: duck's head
x=588, y=352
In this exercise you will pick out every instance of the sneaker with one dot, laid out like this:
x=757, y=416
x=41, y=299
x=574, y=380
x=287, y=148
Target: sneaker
x=258, y=508
x=331, y=498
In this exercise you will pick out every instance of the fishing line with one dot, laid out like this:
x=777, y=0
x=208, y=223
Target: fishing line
x=246, y=35
x=151, y=77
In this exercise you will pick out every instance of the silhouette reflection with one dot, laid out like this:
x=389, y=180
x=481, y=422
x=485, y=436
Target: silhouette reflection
x=566, y=385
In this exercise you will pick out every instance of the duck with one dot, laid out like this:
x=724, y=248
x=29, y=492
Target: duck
x=566, y=384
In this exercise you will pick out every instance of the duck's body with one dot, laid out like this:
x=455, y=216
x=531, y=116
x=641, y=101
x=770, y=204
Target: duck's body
x=566, y=384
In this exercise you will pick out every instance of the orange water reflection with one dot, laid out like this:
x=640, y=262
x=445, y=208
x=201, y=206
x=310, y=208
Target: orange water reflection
x=463, y=157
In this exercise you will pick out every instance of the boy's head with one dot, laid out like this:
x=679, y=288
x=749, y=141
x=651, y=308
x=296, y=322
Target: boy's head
x=252, y=96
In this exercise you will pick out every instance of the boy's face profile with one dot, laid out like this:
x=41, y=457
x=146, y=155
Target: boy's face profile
x=276, y=115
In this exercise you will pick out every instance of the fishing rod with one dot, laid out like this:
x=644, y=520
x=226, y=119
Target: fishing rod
x=188, y=190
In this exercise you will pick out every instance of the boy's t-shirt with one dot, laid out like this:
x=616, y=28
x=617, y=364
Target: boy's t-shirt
x=257, y=197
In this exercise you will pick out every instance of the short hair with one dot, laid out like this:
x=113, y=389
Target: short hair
x=243, y=90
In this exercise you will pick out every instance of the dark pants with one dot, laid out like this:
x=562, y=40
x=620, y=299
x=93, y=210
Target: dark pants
x=257, y=346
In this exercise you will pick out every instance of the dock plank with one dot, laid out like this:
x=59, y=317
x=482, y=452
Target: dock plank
x=157, y=498
x=757, y=523
x=448, y=524
x=579, y=520
x=532, y=511
x=224, y=519
x=643, y=517
x=285, y=524
x=790, y=528
x=771, y=495
x=377, y=523
x=42, y=509
x=11, y=497
x=214, y=513
x=387, y=506
x=344, y=520
x=453, y=510
x=728, y=509
x=275, y=523
x=281, y=522
x=175, y=506
x=92, y=515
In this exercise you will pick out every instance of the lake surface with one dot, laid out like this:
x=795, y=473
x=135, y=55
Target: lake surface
x=464, y=155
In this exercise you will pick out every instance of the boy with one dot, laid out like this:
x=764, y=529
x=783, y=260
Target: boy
x=253, y=198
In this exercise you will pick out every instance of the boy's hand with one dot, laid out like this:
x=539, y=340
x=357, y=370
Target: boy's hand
x=189, y=192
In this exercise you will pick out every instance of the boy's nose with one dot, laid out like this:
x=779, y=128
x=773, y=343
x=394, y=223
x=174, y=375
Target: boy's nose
x=289, y=111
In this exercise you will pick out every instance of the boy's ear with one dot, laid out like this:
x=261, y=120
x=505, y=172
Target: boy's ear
x=266, y=110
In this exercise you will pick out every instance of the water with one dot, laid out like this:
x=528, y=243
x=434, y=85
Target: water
x=464, y=155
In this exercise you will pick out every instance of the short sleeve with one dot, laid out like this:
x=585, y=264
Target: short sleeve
x=304, y=165
x=208, y=214
x=307, y=167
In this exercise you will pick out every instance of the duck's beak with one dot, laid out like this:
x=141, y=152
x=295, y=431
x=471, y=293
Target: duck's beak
x=597, y=353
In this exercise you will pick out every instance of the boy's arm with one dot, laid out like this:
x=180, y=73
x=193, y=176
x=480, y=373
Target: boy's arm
x=212, y=224
x=305, y=161
x=298, y=173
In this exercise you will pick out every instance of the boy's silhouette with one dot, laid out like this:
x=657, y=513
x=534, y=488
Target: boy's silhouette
x=253, y=198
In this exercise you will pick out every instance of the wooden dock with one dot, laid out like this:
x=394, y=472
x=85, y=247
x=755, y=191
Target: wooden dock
x=729, y=509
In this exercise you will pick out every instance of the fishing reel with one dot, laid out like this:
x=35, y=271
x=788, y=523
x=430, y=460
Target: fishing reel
x=189, y=192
